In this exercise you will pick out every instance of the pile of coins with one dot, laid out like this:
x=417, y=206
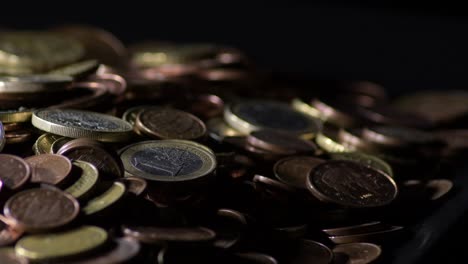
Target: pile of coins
x=175, y=153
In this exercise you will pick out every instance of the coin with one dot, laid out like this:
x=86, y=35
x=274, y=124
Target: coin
x=307, y=109
x=86, y=182
x=255, y=115
x=8, y=235
x=254, y=257
x=76, y=70
x=377, y=236
x=8, y=256
x=61, y=245
x=13, y=126
x=396, y=136
x=167, y=123
x=2, y=136
x=110, y=197
x=168, y=160
x=15, y=116
x=440, y=187
x=58, y=143
x=351, y=184
x=104, y=159
x=135, y=185
x=368, y=160
x=218, y=129
x=279, y=142
x=41, y=209
x=14, y=171
x=126, y=248
x=169, y=234
x=309, y=251
x=34, y=83
x=49, y=168
x=206, y=106
x=131, y=114
x=16, y=137
x=330, y=144
x=294, y=170
x=359, y=253
x=335, y=112
x=77, y=124
x=43, y=144
x=355, y=229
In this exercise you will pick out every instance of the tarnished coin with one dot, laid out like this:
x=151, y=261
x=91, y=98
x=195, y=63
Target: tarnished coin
x=41, y=209
x=368, y=160
x=310, y=251
x=82, y=124
x=110, y=197
x=168, y=160
x=250, y=116
x=294, y=170
x=34, y=83
x=125, y=249
x=104, y=159
x=43, y=144
x=280, y=143
x=49, y=168
x=351, y=184
x=169, y=234
x=14, y=171
x=87, y=180
x=8, y=256
x=8, y=235
x=359, y=253
x=167, y=123
x=2, y=136
x=61, y=245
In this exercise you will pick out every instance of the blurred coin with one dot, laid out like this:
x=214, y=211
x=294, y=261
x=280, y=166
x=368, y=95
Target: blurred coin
x=169, y=234
x=294, y=170
x=105, y=200
x=16, y=137
x=307, y=109
x=114, y=83
x=86, y=182
x=125, y=250
x=355, y=229
x=44, y=143
x=256, y=258
x=218, y=129
x=58, y=143
x=8, y=234
x=13, y=126
x=76, y=70
x=76, y=124
x=359, y=253
x=328, y=141
x=2, y=136
x=309, y=251
x=206, y=106
x=279, y=142
x=377, y=236
x=14, y=171
x=41, y=209
x=396, y=136
x=34, y=83
x=337, y=113
x=15, y=116
x=368, y=160
x=130, y=115
x=8, y=256
x=440, y=187
x=135, y=185
x=49, y=168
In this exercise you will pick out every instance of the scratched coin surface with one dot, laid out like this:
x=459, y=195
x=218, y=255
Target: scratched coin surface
x=168, y=160
x=49, y=168
x=14, y=171
x=294, y=170
x=85, y=124
x=359, y=253
x=351, y=184
x=41, y=209
x=168, y=123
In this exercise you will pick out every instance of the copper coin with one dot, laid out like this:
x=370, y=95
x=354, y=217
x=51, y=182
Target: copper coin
x=14, y=171
x=49, y=168
x=41, y=209
x=8, y=235
x=135, y=185
x=294, y=170
x=170, y=234
x=310, y=251
x=377, y=236
x=222, y=75
x=359, y=253
x=439, y=187
x=106, y=161
x=17, y=136
x=351, y=184
x=206, y=106
x=278, y=142
x=167, y=123
x=13, y=126
x=126, y=248
x=57, y=144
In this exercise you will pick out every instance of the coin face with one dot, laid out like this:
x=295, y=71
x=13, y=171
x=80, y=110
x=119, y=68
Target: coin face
x=359, y=253
x=76, y=123
x=294, y=170
x=254, y=115
x=351, y=184
x=49, y=168
x=167, y=123
x=168, y=160
x=14, y=171
x=41, y=209
x=125, y=249
x=61, y=245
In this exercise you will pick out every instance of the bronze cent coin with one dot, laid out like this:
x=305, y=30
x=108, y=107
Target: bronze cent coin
x=41, y=209
x=14, y=171
x=294, y=170
x=351, y=184
x=49, y=168
x=167, y=123
x=359, y=253
x=280, y=143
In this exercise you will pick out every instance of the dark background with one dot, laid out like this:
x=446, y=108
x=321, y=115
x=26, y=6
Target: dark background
x=424, y=46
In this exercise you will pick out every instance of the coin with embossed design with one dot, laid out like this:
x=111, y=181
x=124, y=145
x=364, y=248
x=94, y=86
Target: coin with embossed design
x=82, y=124
x=49, y=168
x=14, y=171
x=351, y=184
x=168, y=160
x=41, y=209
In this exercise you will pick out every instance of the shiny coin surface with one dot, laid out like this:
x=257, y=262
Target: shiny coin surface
x=368, y=160
x=110, y=197
x=87, y=180
x=57, y=144
x=169, y=234
x=14, y=171
x=61, y=245
x=359, y=253
x=49, y=168
x=294, y=170
x=278, y=142
x=131, y=114
x=168, y=160
x=8, y=256
x=329, y=143
x=351, y=184
x=125, y=249
x=218, y=129
x=43, y=144
x=41, y=209
x=310, y=251
x=167, y=123
x=250, y=116
x=34, y=83
x=76, y=123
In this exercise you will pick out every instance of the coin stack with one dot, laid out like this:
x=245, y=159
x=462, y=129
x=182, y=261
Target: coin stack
x=174, y=153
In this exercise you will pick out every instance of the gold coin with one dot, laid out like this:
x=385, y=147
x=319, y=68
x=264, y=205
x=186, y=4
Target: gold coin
x=87, y=180
x=168, y=160
x=105, y=200
x=82, y=124
x=15, y=116
x=307, y=109
x=43, y=144
x=76, y=70
x=330, y=145
x=61, y=245
x=34, y=83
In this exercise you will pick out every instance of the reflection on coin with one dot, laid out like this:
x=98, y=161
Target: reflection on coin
x=44, y=143
x=280, y=143
x=61, y=245
x=15, y=137
x=169, y=234
x=8, y=256
x=254, y=115
x=49, y=168
x=41, y=209
x=168, y=160
x=57, y=144
x=87, y=180
x=294, y=170
x=77, y=123
x=167, y=123
x=355, y=229
x=8, y=235
x=110, y=197
x=311, y=252
x=351, y=184
x=14, y=171
x=368, y=160
x=359, y=253
x=307, y=109
x=125, y=249
x=131, y=114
